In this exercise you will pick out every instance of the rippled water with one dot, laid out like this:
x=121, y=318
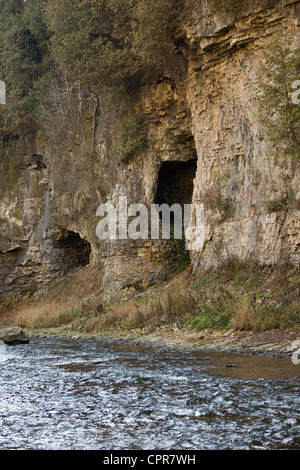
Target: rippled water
x=96, y=394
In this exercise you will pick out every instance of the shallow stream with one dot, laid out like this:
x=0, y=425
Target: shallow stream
x=95, y=394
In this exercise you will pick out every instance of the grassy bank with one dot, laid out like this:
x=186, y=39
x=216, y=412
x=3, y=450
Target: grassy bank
x=237, y=296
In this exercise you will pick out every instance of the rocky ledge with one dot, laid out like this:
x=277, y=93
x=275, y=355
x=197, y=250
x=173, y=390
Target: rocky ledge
x=13, y=335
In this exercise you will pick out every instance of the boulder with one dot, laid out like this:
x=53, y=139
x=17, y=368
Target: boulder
x=13, y=335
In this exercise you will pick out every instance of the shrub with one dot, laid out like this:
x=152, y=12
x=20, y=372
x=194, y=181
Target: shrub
x=212, y=313
x=279, y=116
x=132, y=133
x=277, y=205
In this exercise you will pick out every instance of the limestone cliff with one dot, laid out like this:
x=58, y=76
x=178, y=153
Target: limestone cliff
x=233, y=155
x=203, y=138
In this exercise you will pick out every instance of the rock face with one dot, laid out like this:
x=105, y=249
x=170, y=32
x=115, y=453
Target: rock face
x=34, y=251
x=203, y=138
x=234, y=160
x=13, y=335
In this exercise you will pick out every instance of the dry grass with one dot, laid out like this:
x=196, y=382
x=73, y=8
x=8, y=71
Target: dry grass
x=44, y=315
x=244, y=314
x=169, y=303
x=237, y=295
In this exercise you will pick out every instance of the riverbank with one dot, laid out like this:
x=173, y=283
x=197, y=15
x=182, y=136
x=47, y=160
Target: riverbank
x=244, y=356
x=236, y=307
x=269, y=342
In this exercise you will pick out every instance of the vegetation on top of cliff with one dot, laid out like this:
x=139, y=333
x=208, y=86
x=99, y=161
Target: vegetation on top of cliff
x=107, y=43
x=24, y=64
x=97, y=45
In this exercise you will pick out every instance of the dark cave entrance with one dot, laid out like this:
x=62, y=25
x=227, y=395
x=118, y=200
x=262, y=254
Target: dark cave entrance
x=175, y=186
x=72, y=251
x=176, y=182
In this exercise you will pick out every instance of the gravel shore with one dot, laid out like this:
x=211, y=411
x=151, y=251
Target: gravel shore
x=274, y=342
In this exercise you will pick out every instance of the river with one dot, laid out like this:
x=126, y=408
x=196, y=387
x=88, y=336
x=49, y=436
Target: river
x=96, y=394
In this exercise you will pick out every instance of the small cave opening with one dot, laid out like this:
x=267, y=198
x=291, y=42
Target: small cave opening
x=176, y=182
x=72, y=250
x=175, y=186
